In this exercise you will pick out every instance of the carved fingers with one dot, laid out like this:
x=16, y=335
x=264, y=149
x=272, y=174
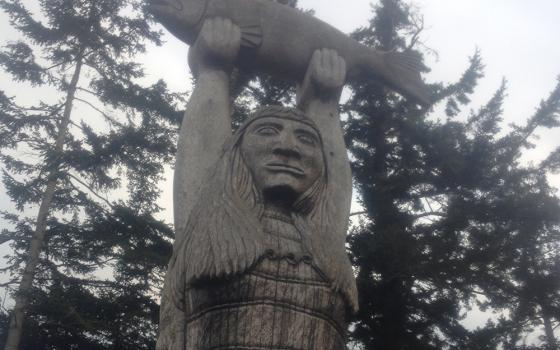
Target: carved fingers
x=325, y=78
x=216, y=47
x=328, y=69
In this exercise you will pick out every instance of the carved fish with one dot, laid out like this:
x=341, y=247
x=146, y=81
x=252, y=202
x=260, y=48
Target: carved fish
x=280, y=40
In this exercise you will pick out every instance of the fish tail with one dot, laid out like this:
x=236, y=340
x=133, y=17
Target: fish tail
x=402, y=72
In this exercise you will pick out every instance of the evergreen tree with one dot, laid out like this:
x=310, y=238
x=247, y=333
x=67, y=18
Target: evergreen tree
x=450, y=208
x=454, y=218
x=451, y=211
x=520, y=215
x=67, y=164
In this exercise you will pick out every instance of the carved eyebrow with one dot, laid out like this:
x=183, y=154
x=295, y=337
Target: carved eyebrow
x=267, y=123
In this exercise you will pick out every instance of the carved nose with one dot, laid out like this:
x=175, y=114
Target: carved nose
x=286, y=146
x=287, y=152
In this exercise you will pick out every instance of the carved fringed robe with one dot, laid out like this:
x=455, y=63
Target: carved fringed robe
x=283, y=302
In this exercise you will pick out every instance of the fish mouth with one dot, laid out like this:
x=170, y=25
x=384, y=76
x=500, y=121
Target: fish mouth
x=175, y=5
x=284, y=168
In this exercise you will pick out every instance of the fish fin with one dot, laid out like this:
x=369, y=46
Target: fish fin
x=404, y=73
x=251, y=36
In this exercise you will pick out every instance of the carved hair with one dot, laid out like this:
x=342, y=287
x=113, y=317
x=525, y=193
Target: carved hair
x=224, y=236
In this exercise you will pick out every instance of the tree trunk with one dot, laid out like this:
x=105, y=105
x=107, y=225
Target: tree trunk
x=23, y=294
x=549, y=332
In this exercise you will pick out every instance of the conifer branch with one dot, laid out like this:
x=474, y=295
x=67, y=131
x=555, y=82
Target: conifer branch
x=37, y=241
x=6, y=238
x=7, y=268
x=39, y=131
x=547, y=115
x=105, y=200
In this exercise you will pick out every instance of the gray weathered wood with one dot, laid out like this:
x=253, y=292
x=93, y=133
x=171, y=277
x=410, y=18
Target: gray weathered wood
x=259, y=260
x=280, y=40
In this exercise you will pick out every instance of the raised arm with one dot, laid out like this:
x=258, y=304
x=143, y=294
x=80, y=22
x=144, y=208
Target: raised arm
x=207, y=121
x=318, y=97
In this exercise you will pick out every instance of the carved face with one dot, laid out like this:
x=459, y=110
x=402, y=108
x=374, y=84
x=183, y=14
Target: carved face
x=284, y=156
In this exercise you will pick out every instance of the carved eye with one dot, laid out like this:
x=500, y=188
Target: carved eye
x=306, y=139
x=267, y=130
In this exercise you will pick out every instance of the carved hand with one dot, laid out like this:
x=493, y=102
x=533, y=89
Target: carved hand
x=325, y=78
x=216, y=47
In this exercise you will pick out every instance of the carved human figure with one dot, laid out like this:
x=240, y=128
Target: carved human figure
x=259, y=260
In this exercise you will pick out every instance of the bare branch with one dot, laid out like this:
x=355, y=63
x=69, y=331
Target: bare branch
x=88, y=91
x=105, y=200
x=105, y=115
x=9, y=283
x=77, y=125
x=419, y=25
x=69, y=61
x=429, y=213
x=429, y=205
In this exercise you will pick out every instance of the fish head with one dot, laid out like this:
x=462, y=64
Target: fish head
x=180, y=17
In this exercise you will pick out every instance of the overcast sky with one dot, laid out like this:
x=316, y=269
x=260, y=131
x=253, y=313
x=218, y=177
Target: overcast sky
x=518, y=40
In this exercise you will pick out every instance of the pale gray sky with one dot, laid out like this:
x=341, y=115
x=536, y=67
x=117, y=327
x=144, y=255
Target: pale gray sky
x=517, y=40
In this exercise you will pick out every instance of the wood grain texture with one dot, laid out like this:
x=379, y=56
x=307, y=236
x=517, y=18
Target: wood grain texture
x=284, y=302
x=286, y=40
x=265, y=272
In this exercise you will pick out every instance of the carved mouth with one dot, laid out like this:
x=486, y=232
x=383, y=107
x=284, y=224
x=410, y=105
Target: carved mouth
x=284, y=168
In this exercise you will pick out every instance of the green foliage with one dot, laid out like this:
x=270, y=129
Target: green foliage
x=452, y=214
x=451, y=209
x=455, y=220
x=102, y=260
